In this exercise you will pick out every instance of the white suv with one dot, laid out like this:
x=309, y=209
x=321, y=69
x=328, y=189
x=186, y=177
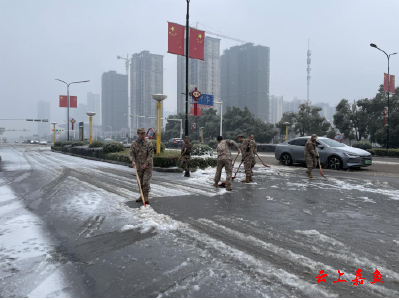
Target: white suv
x=43, y=142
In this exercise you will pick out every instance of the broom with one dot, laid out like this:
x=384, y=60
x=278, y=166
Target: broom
x=138, y=182
x=321, y=171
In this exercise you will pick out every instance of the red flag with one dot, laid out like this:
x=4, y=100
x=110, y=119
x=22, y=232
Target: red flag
x=63, y=101
x=175, y=39
x=73, y=101
x=197, y=41
x=192, y=111
x=392, y=83
x=385, y=82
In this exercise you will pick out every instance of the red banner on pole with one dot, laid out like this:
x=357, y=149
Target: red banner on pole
x=392, y=83
x=73, y=101
x=197, y=41
x=175, y=39
x=386, y=77
x=192, y=111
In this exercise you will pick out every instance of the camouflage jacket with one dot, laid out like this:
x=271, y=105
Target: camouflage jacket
x=141, y=152
x=254, y=147
x=188, y=147
x=248, y=147
x=310, y=148
x=223, y=149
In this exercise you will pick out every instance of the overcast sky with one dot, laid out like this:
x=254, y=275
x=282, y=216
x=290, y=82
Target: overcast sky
x=79, y=40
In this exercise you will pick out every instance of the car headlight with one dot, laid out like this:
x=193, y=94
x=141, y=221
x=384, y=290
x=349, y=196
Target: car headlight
x=350, y=154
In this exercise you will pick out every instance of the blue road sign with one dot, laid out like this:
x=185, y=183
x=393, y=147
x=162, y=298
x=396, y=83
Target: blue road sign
x=205, y=100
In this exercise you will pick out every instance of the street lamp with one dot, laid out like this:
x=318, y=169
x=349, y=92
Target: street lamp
x=286, y=130
x=221, y=116
x=181, y=126
x=68, y=84
x=54, y=123
x=91, y=114
x=128, y=89
x=388, y=56
x=159, y=98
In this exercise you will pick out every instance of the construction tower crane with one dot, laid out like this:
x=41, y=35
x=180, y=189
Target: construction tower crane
x=223, y=36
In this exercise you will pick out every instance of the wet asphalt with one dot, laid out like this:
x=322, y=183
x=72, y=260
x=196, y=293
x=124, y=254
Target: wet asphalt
x=267, y=239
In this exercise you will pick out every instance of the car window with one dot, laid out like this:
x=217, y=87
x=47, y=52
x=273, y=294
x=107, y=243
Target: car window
x=332, y=143
x=300, y=142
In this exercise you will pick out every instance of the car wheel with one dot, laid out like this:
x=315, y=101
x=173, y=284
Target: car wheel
x=334, y=163
x=286, y=159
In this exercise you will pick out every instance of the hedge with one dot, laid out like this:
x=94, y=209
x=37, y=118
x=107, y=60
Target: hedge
x=113, y=147
x=154, y=144
x=97, y=144
x=384, y=152
x=58, y=144
x=365, y=145
x=195, y=142
x=78, y=143
x=213, y=144
x=199, y=149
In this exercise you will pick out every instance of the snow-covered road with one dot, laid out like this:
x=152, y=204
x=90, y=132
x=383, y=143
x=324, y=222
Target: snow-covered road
x=68, y=228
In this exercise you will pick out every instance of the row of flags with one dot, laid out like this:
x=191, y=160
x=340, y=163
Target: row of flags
x=196, y=41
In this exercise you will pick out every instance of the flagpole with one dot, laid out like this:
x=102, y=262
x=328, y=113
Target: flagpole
x=187, y=29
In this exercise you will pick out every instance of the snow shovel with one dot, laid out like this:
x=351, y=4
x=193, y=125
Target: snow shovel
x=234, y=177
x=321, y=171
x=138, y=182
x=181, y=156
x=235, y=159
x=262, y=161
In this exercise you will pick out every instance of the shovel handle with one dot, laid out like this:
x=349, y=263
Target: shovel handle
x=138, y=182
x=262, y=161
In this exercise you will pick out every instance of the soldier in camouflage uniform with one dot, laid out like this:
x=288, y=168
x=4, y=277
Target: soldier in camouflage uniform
x=247, y=153
x=186, y=150
x=311, y=155
x=141, y=155
x=225, y=160
x=255, y=150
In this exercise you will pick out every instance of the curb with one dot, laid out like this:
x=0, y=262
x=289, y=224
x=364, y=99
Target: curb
x=156, y=169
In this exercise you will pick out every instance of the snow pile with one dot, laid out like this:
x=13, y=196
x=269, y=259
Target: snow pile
x=148, y=220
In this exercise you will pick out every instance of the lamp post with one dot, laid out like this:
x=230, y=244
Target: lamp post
x=128, y=90
x=54, y=123
x=388, y=56
x=91, y=114
x=181, y=126
x=68, y=84
x=286, y=130
x=159, y=98
x=221, y=117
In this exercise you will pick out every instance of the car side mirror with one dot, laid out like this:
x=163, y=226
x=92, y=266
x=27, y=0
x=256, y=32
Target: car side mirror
x=320, y=147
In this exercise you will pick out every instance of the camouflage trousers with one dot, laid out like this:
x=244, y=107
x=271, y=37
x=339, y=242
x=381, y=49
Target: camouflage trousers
x=145, y=177
x=248, y=165
x=227, y=164
x=184, y=162
x=311, y=162
x=253, y=161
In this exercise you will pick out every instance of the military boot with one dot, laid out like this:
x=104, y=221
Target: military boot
x=250, y=179
x=246, y=180
x=228, y=187
x=216, y=185
x=146, y=198
x=139, y=199
x=187, y=174
x=309, y=174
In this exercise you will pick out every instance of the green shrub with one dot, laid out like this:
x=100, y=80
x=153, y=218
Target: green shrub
x=365, y=145
x=165, y=162
x=56, y=148
x=199, y=149
x=58, y=144
x=154, y=144
x=96, y=144
x=117, y=157
x=66, y=143
x=384, y=152
x=213, y=144
x=111, y=147
x=195, y=142
x=78, y=143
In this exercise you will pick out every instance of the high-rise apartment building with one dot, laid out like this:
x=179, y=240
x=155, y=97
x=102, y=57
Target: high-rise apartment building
x=275, y=109
x=205, y=75
x=43, y=112
x=292, y=106
x=326, y=111
x=146, y=79
x=245, y=77
x=114, y=102
x=94, y=105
